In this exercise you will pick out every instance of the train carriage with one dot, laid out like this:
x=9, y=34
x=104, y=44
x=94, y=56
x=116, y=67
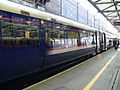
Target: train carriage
x=32, y=40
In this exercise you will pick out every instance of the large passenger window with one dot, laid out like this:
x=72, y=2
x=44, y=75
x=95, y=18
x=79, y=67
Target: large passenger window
x=55, y=36
x=20, y=31
x=87, y=38
x=72, y=38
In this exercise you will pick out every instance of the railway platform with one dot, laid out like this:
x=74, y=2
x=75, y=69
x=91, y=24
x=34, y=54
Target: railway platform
x=101, y=72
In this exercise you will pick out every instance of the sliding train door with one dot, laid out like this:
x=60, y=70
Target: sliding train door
x=98, y=41
x=104, y=41
x=101, y=41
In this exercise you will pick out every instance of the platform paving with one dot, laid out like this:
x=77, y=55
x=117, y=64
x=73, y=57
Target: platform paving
x=78, y=77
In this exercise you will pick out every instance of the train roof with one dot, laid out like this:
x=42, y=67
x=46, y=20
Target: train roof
x=17, y=8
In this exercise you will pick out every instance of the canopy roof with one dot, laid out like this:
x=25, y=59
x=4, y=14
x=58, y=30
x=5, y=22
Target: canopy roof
x=109, y=8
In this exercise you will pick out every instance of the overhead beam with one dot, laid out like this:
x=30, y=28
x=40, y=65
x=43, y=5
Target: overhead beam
x=106, y=2
x=97, y=1
x=114, y=19
x=110, y=14
x=108, y=7
x=110, y=11
x=116, y=8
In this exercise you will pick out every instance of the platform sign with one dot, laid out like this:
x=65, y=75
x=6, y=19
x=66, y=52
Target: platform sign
x=116, y=23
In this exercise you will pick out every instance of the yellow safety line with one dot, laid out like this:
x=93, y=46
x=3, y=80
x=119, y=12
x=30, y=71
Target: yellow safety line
x=91, y=83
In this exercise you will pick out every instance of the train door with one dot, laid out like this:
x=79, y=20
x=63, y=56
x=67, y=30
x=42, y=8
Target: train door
x=104, y=41
x=108, y=41
x=98, y=41
x=101, y=41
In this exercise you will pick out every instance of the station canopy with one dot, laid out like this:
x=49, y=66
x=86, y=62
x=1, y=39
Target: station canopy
x=110, y=9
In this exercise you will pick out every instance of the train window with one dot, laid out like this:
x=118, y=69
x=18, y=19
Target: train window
x=92, y=39
x=19, y=32
x=87, y=38
x=55, y=36
x=83, y=38
x=72, y=38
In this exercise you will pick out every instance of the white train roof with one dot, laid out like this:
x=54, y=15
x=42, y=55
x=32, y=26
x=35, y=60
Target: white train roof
x=17, y=8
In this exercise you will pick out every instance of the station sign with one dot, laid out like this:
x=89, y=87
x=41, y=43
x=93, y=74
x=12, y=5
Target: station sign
x=116, y=23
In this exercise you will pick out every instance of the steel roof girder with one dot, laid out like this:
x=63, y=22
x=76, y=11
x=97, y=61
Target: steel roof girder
x=106, y=3
x=108, y=7
x=97, y=1
x=110, y=11
x=116, y=8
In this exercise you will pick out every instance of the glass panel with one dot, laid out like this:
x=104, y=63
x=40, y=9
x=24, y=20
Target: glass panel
x=83, y=35
x=55, y=36
x=72, y=38
x=91, y=38
x=17, y=31
x=87, y=38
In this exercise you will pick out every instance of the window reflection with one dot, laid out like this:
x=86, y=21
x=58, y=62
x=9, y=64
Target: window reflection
x=72, y=38
x=55, y=37
x=17, y=31
x=87, y=38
